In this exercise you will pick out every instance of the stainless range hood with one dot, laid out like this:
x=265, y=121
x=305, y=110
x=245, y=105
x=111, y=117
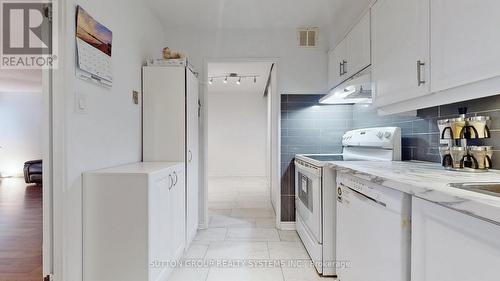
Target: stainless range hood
x=357, y=89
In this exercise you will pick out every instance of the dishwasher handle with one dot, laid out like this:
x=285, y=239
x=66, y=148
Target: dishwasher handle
x=366, y=196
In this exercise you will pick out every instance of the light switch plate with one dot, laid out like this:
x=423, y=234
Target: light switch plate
x=135, y=97
x=80, y=103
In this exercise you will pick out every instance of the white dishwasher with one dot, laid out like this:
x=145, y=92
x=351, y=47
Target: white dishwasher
x=373, y=231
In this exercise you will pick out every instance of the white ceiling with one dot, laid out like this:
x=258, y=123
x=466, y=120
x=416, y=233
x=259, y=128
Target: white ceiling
x=345, y=14
x=16, y=81
x=242, y=14
x=334, y=15
x=260, y=69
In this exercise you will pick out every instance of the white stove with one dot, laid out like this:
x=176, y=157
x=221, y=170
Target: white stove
x=315, y=189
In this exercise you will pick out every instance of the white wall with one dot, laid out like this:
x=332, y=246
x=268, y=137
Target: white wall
x=345, y=15
x=109, y=133
x=237, y=133
x=269, y=143
x=21, y=134
x=301, y=70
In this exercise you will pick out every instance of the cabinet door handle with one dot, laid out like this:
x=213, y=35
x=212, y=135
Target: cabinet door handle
x=170, y=182
x=340, y=69
x=344, y=64
x=420, y=82
x=190, y=156
x=176, y=179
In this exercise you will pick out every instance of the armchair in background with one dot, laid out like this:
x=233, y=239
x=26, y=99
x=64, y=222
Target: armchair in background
x=33, y=171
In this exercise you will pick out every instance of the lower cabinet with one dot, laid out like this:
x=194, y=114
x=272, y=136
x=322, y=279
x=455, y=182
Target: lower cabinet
x=448, y=245
x=133, y=222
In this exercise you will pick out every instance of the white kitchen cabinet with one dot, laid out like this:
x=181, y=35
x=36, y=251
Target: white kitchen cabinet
x=133, y=220
x=465, y=38
x=448, y=245
x=333, y=69
x=170, y=127
x=359, y=41
x=337, y=58
x=352, y=55
x=400, y=50
x=192, y=194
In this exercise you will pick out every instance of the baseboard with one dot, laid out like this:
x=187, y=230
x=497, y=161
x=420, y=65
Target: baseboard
x=287, y=225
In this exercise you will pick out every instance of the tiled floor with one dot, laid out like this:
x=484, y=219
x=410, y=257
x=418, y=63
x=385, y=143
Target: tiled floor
x=242, y=229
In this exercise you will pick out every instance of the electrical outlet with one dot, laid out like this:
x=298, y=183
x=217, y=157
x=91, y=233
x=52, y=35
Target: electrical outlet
x=135, y=97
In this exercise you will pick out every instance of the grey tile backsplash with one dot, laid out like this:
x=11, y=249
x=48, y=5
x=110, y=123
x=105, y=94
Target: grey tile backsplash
x=307, y=127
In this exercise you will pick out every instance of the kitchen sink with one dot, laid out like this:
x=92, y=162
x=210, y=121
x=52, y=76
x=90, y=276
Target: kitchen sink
x=489, y=188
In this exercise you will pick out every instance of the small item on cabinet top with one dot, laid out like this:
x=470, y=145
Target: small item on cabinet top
x=169, y=58
x=166, y=53
x=169, y=55
x=162, y=62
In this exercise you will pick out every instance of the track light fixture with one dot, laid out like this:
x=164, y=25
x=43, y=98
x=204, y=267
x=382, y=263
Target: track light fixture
x=236, y=76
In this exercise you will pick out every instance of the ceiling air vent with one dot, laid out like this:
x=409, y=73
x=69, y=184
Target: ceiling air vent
x=308, y=37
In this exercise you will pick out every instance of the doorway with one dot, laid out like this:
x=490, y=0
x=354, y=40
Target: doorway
x=240, y=187
x=21, y=181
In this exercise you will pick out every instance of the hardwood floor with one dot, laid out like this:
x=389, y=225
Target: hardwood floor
x=21, y=230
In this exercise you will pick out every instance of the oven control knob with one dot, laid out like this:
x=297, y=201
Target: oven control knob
x=387, y=135
x=380, y=135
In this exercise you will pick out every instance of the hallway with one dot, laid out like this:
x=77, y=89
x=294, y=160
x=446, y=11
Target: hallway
x=243, y=240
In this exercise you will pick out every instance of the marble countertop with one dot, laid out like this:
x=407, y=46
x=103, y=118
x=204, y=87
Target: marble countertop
x=429, y=181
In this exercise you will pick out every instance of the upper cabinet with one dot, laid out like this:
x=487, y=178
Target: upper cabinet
x=465, y=38
x=359, y=45
x=352, y=55
x=427, y=53
x=337, y=59
x=400, y=50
